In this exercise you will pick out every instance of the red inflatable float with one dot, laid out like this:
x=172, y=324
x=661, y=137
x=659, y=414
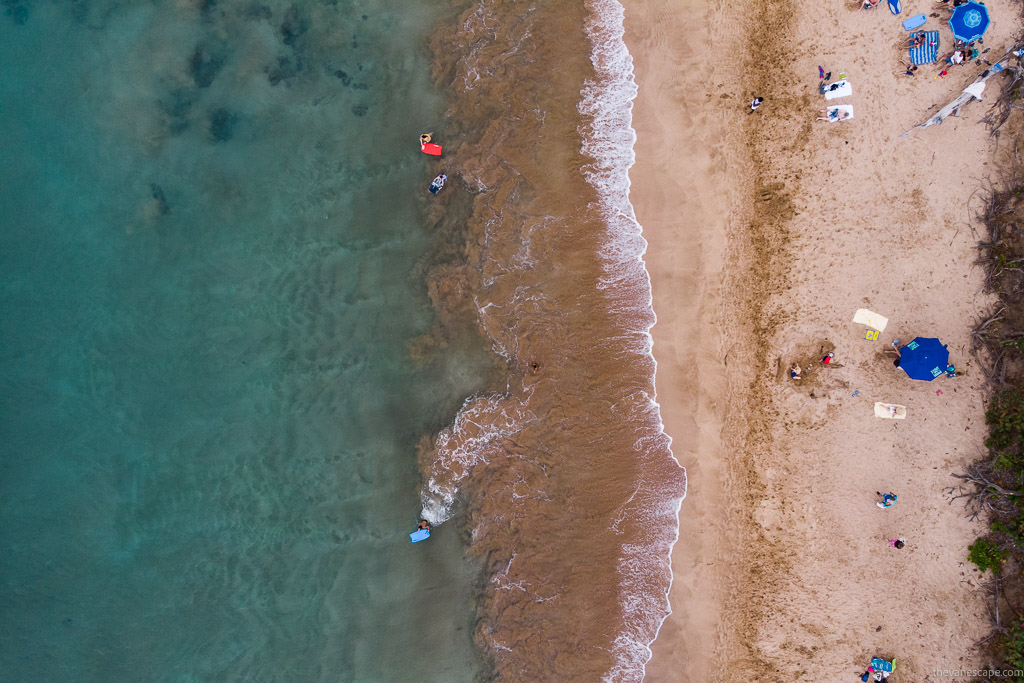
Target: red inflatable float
x=428, y=147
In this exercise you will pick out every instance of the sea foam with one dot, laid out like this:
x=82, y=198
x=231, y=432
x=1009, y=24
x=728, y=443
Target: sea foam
x=608, y=138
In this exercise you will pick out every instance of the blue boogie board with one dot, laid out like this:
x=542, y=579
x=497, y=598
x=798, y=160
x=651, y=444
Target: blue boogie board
x=419, y=535
x=914, y=22
x=895, y=7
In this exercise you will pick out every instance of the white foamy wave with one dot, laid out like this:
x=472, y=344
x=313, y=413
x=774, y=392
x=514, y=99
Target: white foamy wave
x=608, y=136
x=485, y=27
x=481, y=23
x=479, y=427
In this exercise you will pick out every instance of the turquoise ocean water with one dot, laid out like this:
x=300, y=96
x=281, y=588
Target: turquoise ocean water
x=212, y=225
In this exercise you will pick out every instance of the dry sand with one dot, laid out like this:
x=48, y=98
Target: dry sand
x=767, y=231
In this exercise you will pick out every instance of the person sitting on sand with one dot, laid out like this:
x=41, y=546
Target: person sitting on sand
x=834, y=115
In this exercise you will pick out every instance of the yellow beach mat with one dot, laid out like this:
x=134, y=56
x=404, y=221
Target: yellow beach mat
x=890, y=411
x=871, y=319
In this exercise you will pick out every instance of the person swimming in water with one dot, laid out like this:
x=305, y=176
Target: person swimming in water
x=438, y=183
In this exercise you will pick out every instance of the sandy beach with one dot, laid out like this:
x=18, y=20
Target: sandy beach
x=766, y=233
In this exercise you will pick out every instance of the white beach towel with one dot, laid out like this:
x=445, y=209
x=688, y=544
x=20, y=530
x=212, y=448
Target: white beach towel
x=890, y=411
x=833, y=116
x=871, y=319
x=844, y=90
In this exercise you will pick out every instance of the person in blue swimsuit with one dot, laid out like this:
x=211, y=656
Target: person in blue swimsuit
x=888, y=499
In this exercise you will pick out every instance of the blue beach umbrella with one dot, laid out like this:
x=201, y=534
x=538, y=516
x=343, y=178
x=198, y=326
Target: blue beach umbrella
x=969, y=21
x=924, y=358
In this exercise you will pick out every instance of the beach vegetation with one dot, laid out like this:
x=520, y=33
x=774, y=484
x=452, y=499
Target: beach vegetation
x=1013, y=648
x=1012, y=527
x=1005, y=419
x=993, y=487
x=985, y=553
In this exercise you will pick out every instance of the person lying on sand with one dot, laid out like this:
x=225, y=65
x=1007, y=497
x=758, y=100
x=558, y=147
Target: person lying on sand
x=834, y=115
x=911, y=69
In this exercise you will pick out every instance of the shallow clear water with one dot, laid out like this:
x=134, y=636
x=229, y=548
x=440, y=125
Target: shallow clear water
x=211, y=220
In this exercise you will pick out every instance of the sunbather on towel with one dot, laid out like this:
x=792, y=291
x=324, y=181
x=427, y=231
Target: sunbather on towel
x=834, y=115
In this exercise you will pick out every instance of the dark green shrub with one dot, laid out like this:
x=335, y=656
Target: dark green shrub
x=1005, y=419
x=986, y=554
x=1013, y=647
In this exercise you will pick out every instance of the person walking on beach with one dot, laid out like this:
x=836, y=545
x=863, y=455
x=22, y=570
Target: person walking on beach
x=755, y=104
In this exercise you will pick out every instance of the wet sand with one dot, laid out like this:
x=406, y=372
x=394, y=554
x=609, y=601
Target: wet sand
x=681, y=192
x=766, y=232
